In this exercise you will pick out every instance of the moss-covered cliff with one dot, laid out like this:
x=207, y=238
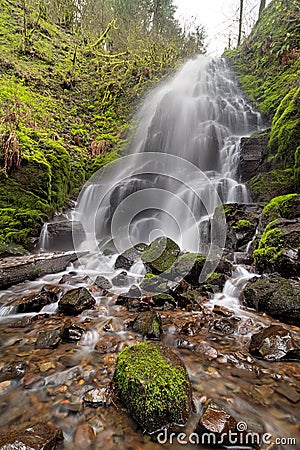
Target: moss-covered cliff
x=268, y=67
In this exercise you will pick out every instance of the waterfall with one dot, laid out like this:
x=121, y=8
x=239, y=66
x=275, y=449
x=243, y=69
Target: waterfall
x=181, y=164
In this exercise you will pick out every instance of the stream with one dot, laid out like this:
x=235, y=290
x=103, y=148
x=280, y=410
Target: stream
x=199, y=115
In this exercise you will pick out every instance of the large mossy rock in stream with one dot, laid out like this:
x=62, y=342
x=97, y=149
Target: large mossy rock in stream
x=276, y=296
x=279, y=248
x=160, y=255
x=38, y=436
x=154, y=385
x=23, y=268
x=130, y=256
x=76, y=301
x=188, y=267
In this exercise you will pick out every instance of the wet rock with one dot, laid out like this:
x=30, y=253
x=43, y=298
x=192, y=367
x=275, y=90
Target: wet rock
x=215, y=282
x=97, y=397
x=84, y=436
x=219, y=426
x=103, y=283
x=15, y=270
x=275, y=296
x=282, y=207
x=155, y=284
x=32, y=303
x=49, y=338
x=278, y=249
x=188, y=267
x=165, y=301
x=154, y=385
x=149, y=324
x=137, y=305
x=222, y=311
x=72, y=332
x=130, y=256
x=273, y=343
x=241, y=221
x=190, y=329
x=38, y=436
x=76, y=301
x=160, y=255
x=61, y=235
x=134, y=292
x=121, y=280
x=107, y=345
x=13, y=371
x=225, y=326
x=253, y=154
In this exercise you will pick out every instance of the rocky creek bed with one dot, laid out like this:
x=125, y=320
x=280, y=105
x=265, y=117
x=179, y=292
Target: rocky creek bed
x=61, y=335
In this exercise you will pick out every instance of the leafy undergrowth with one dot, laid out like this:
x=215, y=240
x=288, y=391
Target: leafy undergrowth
x=268, y=67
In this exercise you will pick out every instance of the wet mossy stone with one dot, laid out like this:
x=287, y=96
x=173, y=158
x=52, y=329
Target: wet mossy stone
x=76, y=301
x=130, y=256
x=153, y=384
x=286, y=206
x=160, y=255
x=276, y=296
x=155, y=284
x=188, y=267
x=149, y=324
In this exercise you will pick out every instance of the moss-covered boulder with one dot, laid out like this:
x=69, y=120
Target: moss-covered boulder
x=188, y=267
x=278, y=249
x=265, y=186
x=276, y=296
x=286, y=206
x=154, y=385
x=155, y=284
x=76, y=301
x=160, y=255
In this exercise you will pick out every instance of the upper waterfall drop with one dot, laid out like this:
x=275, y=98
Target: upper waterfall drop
x=198, y=117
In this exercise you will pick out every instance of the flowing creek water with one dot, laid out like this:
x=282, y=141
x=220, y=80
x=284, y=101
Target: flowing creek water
x=207, y=114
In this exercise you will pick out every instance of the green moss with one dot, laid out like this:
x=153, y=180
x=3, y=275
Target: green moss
x=243, y=225
x=265, y=186
x=160, y=255
x=286, y=206
x=148, y=276
x=155, y=389
x=267, y=257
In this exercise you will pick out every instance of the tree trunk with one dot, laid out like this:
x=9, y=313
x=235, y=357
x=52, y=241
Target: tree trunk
x=261, y=7
x=240, y=22
x=156, y=17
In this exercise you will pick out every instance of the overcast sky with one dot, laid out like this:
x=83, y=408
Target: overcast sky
x=219, y=18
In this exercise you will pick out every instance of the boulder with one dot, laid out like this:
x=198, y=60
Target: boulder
x=216, y=425
x=160, y=255
x=273, y=343
x=130, y=256
x=38, y=436
x=76, y=301
x=103, y=283
x=154, y=385
x=253, y=153
x=278, y=249
x=149, y=324
x=13, y=371
x=265, y=186
x=122, y=279
x=49, y=338
x=155, y=284
x=284, y=206
x=15, y=270
x=188, y=267
x=165, y=301
x=276, y=296
x=71, y=332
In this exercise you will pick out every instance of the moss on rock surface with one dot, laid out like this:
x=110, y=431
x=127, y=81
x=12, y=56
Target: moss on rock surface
x=154, y=385
x=287, y=206
x=160, y=255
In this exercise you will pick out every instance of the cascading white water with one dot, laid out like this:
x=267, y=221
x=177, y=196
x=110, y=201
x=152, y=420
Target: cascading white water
x=200, y=116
